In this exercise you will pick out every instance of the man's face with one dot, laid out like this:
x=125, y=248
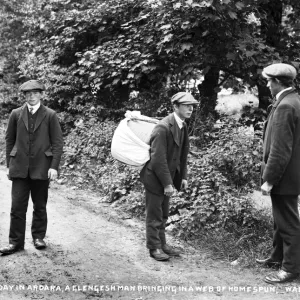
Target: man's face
x=33, y=97
x=184, y=111
x=274, y=86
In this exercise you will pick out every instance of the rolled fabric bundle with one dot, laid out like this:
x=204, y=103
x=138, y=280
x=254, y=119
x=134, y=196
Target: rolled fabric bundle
x=140, y=125
x=130, y=143
x=142, y=129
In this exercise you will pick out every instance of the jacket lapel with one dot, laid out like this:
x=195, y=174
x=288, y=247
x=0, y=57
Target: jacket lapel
x=273, y=107
x=40, y=117
x=270, y=110
x=281, y=97
x=24, y=115
x=174, y=128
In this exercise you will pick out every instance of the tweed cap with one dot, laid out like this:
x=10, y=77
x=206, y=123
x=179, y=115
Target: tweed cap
x=279, y=70
x=184, y=98
x=32, y=85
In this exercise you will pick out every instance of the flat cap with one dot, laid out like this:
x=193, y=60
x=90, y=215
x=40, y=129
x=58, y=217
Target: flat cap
x=184, y=98
x=32, y=85
x=279, y=70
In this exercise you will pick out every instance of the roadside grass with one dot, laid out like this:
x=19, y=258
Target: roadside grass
x=240, y=245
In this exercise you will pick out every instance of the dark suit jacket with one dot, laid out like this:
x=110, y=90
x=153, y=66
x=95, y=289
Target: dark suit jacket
x=46, y=149
x=166, y=166
x=281, y=146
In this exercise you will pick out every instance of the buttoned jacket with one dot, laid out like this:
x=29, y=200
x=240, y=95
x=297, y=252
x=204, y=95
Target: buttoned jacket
x=33, y=152
x=281, y=145
x=167, y=164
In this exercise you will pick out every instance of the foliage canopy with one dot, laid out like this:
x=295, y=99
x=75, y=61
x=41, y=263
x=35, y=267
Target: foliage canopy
x=101, y=52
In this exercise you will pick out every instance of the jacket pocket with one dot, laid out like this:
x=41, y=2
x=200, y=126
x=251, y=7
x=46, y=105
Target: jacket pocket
x=48, y=153
x=13, y=152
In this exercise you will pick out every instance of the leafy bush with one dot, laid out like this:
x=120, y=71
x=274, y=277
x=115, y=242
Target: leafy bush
x=237, y=154
x=220, y=177
x=87, y=150
x=9, y=99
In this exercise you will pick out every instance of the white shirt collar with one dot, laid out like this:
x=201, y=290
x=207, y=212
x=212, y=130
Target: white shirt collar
x=278, y=95
x=178, y=120
x=35, y=107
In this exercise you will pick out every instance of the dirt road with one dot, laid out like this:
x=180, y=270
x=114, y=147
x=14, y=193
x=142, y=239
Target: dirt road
x=94, y=252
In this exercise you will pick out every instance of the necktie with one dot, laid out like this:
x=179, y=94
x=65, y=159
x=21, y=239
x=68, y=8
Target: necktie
x=31, y=110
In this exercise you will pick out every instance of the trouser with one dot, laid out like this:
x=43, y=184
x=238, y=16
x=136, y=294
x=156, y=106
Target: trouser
x=157, y=212
x=21, y=189
x=286, y=235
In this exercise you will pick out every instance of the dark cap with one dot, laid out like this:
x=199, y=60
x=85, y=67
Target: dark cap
x=184, y=98
x=32, y=85
x=279, y=70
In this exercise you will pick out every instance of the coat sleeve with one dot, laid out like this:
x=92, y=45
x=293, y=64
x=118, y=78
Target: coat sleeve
x=282, y=136
x=56, y=139
x=184, y=171
x=185, y=151
x=159, y=147
x=10, y=135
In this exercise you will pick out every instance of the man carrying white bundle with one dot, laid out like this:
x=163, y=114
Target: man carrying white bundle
x=165, y=171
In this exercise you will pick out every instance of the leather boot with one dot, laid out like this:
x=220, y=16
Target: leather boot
x=170, y=250
x=159, y=254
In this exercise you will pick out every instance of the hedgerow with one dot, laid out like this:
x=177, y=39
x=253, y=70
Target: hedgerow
x=224, y=169
x=222, y=175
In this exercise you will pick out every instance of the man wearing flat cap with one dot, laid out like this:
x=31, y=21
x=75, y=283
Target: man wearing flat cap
x=281, y=171
x=166, y=171
x=34, y=145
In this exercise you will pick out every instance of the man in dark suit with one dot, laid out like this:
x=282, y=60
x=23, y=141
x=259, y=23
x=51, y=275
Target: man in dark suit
x=166, y=170
x=281, y=171
x=34, y=146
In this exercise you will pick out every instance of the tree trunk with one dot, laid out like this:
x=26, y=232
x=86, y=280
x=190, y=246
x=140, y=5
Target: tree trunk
x=264, y=95
x=270, y=25
x=208, y=91
x=270, y=32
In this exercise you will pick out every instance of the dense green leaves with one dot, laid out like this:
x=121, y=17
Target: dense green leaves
x=103, y=51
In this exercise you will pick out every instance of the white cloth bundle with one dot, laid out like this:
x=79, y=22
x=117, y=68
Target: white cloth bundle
x=130, y=143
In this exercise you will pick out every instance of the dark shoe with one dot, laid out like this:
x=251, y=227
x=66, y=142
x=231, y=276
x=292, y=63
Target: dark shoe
x=39, y=243
x=280, y=277
x=268, y=262
x=10, y=249
x=170, y=250
x=158, y=254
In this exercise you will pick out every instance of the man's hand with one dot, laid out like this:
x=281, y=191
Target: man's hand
x=184, y=184
x=52, y=174
x=169, y=190
x=7, y=174
x=266, y=188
